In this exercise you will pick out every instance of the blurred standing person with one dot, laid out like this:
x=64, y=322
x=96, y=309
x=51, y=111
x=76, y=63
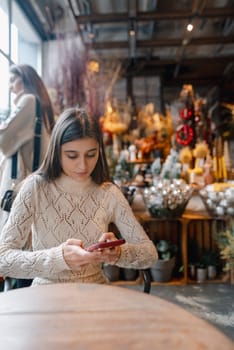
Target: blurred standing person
x=18, y=130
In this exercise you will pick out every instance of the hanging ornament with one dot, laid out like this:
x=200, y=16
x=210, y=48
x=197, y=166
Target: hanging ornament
x=184, y=135
x=186, y=113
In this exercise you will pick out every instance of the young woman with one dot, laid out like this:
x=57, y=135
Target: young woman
x=68, y=206
x=18, y=131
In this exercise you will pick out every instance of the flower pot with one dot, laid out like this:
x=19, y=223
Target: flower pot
x=201, y=274
x=130, y=274
x=192, y=271
x=211, y=271
x=112, y=272
x=162, y=270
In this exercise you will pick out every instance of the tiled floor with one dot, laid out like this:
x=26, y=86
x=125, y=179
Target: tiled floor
x=212, y=302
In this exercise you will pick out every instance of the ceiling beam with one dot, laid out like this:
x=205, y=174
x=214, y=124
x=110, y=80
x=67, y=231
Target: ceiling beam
x=170, y=80
x=200, y=60
x=163, y=42
x=155, y=16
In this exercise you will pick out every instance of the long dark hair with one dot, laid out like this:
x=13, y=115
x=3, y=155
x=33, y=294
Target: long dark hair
x=33, y=84
x=74, y=124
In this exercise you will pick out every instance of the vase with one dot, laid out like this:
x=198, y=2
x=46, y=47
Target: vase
x=162, y=270
x=112, y=272
x=192, y=271
x=130, y=274
x=211, y=271
x=201, y=274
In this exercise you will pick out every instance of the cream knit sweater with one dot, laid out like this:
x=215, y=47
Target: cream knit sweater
x=17, y=134
x=54, y=212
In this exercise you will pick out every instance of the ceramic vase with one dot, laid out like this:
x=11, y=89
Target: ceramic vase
x=201, y=274
x=130, y=274
x=112, y=272
x=162, y=270
x=211, y=272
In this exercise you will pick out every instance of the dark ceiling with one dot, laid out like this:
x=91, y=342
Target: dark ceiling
x=161, y=44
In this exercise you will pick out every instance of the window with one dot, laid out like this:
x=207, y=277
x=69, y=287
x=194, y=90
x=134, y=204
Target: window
x=19, y=43
x=4, y=95
x=4, y=33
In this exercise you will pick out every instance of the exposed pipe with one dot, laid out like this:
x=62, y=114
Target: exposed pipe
x=132, y=30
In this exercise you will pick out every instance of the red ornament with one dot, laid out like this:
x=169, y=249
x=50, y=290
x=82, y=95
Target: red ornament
x=184, y=135
x=186, y=113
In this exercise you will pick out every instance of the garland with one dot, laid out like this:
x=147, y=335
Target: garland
x=184, y=135
x=186, y=113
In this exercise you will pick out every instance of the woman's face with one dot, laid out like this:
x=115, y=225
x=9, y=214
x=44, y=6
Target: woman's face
x=79, y=157
x=15, y=84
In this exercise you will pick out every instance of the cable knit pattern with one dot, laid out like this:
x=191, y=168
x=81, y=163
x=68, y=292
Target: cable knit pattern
x=54, y=212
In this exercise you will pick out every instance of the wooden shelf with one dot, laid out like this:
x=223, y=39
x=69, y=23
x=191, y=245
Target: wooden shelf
x=185, y=220
x=182, y=226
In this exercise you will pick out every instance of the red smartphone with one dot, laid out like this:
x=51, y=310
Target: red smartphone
x=103, y=245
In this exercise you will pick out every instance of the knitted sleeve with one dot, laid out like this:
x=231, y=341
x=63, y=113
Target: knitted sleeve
x=19, y=127
x=139, y=251
x=19, y=263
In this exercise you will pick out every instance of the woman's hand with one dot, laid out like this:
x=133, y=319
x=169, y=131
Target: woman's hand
x=76, y=256
x=111, y=255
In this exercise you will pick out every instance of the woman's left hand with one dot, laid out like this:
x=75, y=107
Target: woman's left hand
x=110, y=255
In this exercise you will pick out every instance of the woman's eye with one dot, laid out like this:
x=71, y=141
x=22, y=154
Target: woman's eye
x=74, y=156
x=71, y=156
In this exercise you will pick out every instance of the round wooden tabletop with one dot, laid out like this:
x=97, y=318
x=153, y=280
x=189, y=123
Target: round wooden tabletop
x=100, y=317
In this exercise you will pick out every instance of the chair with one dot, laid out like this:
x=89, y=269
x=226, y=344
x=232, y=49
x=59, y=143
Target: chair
x=146, y=279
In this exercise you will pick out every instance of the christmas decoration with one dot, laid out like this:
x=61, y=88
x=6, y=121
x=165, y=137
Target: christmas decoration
x=184, y=135
x=186, y=113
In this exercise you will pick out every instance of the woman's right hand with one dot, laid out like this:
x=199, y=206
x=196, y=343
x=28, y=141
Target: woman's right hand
x=76, y=256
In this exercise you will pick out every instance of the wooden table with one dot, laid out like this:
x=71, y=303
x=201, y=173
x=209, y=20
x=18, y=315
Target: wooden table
x=99, y=317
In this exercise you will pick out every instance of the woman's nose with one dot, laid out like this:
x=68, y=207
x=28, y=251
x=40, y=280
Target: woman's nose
x=82, y=163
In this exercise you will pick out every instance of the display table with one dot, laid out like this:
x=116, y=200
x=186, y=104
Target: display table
x=185, y=220
x=93, y=317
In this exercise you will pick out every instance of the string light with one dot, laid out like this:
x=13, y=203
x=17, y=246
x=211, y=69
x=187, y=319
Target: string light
x=189, y=27
x=132, y=31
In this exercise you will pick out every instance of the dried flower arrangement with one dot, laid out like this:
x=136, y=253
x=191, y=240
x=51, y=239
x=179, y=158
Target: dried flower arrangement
x=78, y=77
x=69, y=75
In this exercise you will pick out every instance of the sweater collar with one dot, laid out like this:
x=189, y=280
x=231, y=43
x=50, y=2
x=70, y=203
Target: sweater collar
x=69, y=185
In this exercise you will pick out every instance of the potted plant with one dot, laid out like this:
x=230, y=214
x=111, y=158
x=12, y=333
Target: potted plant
x=162, y=270
x=225, y=242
